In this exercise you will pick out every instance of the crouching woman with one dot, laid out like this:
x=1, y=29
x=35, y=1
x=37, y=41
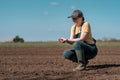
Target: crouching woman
x=84, y=46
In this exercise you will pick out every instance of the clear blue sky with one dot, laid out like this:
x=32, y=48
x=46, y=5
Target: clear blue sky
x=46, y=20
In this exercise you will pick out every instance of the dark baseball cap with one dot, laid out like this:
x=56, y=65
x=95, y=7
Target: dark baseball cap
x=76, y=14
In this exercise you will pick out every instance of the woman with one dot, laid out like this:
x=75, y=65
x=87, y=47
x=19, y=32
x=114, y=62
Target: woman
x=84, y=47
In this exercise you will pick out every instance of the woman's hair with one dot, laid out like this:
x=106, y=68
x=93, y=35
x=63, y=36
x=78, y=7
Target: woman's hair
x=83, y=18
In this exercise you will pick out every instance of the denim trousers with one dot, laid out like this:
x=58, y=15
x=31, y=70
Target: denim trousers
x=81, y=52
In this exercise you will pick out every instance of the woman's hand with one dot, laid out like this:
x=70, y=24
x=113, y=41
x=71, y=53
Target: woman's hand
x=62, y=40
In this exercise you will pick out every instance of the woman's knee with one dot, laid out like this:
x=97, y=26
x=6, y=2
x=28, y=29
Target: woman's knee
x=66, y=54
x=77, y=44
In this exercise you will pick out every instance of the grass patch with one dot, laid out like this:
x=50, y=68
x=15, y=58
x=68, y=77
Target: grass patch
x=33, y=44
x=53, y=44
x=109, y=44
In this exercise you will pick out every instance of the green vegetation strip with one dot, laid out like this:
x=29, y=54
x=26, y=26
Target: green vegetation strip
x=52, y=44
x=33, y=44
x=109, y=44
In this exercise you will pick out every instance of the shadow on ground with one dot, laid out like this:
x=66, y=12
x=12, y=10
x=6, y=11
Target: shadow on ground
x=102, y=66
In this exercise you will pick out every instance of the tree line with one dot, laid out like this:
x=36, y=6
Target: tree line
x=18, y=39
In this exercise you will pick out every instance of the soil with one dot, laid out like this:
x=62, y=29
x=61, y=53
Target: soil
x=48, y=63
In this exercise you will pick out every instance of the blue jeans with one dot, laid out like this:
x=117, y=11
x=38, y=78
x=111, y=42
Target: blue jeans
x=86, y=52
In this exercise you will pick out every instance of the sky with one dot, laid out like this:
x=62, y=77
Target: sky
x=46, y=20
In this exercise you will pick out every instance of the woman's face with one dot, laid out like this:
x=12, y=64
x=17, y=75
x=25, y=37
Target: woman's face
x=77, y=20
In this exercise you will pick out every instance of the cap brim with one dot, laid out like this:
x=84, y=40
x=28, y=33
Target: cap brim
x=69, y=17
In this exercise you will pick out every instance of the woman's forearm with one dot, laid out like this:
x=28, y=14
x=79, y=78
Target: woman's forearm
x=71, y=41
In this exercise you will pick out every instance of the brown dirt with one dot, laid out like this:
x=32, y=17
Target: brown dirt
x=49, y=64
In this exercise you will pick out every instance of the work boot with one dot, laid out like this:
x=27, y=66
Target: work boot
x=80, y=67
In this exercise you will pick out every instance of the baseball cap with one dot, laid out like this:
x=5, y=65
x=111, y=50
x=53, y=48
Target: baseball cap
x=76, y=14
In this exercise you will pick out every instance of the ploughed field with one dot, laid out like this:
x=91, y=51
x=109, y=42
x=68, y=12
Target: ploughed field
x=48, y=63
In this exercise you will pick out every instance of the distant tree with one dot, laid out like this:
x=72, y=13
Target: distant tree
x=18, y=39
